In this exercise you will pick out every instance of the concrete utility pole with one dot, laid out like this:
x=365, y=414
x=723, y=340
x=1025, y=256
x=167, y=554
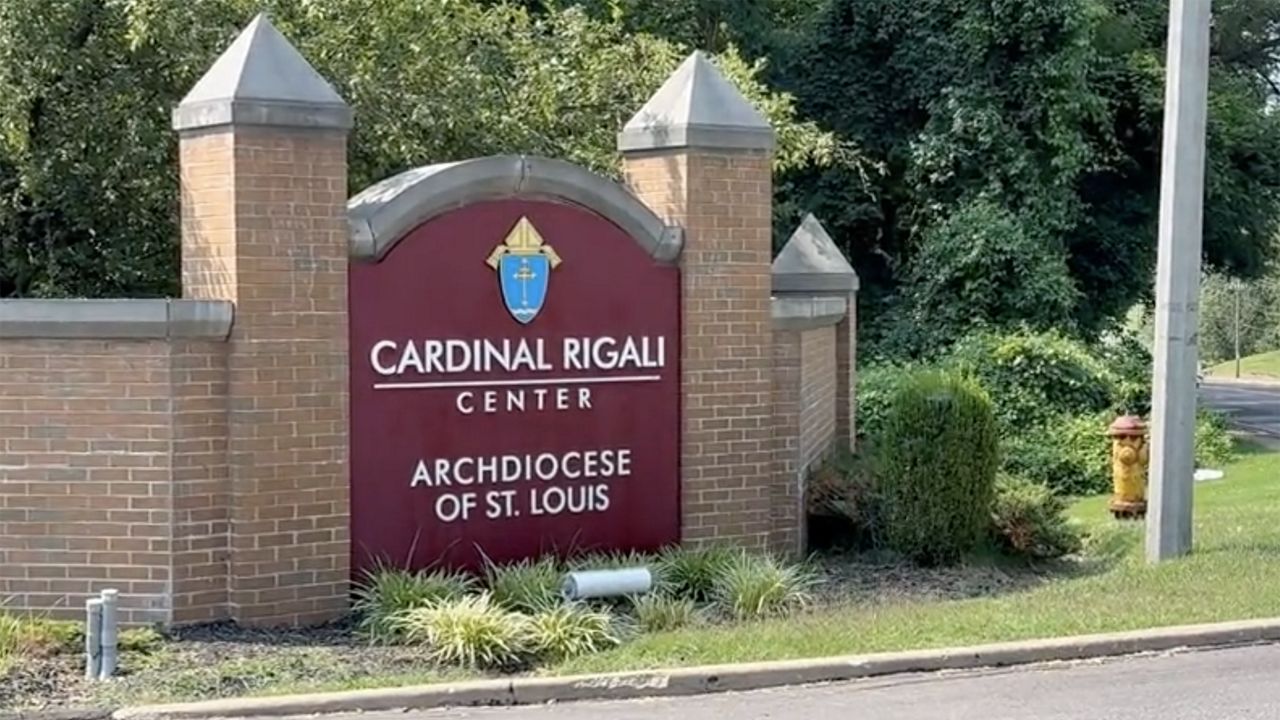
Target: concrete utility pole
x=1178, y=281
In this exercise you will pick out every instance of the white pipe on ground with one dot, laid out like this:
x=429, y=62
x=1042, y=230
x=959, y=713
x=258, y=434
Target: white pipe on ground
x=607, y=583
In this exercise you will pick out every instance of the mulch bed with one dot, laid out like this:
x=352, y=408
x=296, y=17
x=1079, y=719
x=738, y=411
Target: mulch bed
x=222, y=660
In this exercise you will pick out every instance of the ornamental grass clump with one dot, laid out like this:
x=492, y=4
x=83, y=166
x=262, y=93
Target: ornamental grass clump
x=692, y=573
x=571, y=629
x=749, y=587
x=660, y=612
x=528, y=586
x=471, y=631
x=387, y=592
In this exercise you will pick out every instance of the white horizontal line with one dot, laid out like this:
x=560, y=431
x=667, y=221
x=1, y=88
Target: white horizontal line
x=516, y=383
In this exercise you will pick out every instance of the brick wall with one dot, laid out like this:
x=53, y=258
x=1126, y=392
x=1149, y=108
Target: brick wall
x=90, y=434
x=724, y=202
x=806, y=371
x=817, y=395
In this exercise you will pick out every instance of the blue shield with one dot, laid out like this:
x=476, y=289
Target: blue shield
x=524, y=284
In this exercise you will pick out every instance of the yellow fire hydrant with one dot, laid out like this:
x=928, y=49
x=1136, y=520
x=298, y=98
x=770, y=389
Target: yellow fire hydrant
x=1128, y=467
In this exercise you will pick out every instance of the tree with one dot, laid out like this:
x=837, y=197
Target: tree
x=1254, y=305
x=1050, y=111
x=88, y=197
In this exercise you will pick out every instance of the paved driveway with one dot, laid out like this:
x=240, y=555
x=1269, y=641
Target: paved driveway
x=1252, y=408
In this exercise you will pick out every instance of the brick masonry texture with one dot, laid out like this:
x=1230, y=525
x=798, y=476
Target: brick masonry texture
x=724, y=202
x=91, y=433
x=264, y=224
x=208, y=479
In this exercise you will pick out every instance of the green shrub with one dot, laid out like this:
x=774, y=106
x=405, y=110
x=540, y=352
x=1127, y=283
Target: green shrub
x=142, y=640
x=1035, y=377
x=752, y=586
x=388, y=591
x=1029, y=520
x=1070, y=454
x=937, y=458
x=659, y=612
x=1214, y=444
x=877, y=383
x=528, y=586
x=471, y=631
x=570, y=630
x=692, y=572
x=1127, y=358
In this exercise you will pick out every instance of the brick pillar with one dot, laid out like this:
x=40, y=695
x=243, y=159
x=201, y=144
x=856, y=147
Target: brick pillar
x=264, y=185
x=701, y=156
x=814, y=319
x=810, y=265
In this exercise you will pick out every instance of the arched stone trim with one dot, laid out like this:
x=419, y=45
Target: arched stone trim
x=385, y=212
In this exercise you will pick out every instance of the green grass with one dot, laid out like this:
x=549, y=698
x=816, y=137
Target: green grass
x=1233, y=574
x=1262, y=365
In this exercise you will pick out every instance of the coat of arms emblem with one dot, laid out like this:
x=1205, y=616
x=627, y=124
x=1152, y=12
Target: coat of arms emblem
x=524, y=263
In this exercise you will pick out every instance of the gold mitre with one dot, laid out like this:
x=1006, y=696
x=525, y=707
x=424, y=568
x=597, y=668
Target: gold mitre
x=524, y=239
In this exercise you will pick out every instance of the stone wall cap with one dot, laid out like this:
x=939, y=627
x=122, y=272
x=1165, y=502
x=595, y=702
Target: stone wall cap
x=384, y=213
x=810, y=263
x=262, y=79
x=115, y=319
x=805, y=313
x=697, y=108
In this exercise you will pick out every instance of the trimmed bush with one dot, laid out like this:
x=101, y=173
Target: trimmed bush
x=937, y=457
x=570, y=630
x=1028, y=520
x=528, y=586
x=470, y=631
x=389, y=591
x=692, y=573
x=753, y=586
x=659, y=612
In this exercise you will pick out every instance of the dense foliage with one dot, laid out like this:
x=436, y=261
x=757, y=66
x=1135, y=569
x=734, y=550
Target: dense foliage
x=938, y=453
x=1054, y=398
x=88, y=174
x=1020, y=143
x=984, y=165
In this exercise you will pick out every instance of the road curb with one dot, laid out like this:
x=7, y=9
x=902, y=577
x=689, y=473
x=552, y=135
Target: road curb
x=720, y=678
x=1264, y=383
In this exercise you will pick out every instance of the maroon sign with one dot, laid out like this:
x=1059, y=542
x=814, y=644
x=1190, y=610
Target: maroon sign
x=514, y=390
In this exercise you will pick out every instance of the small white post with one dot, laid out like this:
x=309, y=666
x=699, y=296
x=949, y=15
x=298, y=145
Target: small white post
x=110, y=633
x=92, y=638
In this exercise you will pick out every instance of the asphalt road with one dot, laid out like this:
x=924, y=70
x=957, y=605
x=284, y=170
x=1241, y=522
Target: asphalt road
x=1252, y=408
x=1234, y=684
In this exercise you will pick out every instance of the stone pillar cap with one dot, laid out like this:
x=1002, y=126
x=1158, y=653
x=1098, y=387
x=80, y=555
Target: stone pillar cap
x=810, y=263
x=697, y=108
x=262, y=79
